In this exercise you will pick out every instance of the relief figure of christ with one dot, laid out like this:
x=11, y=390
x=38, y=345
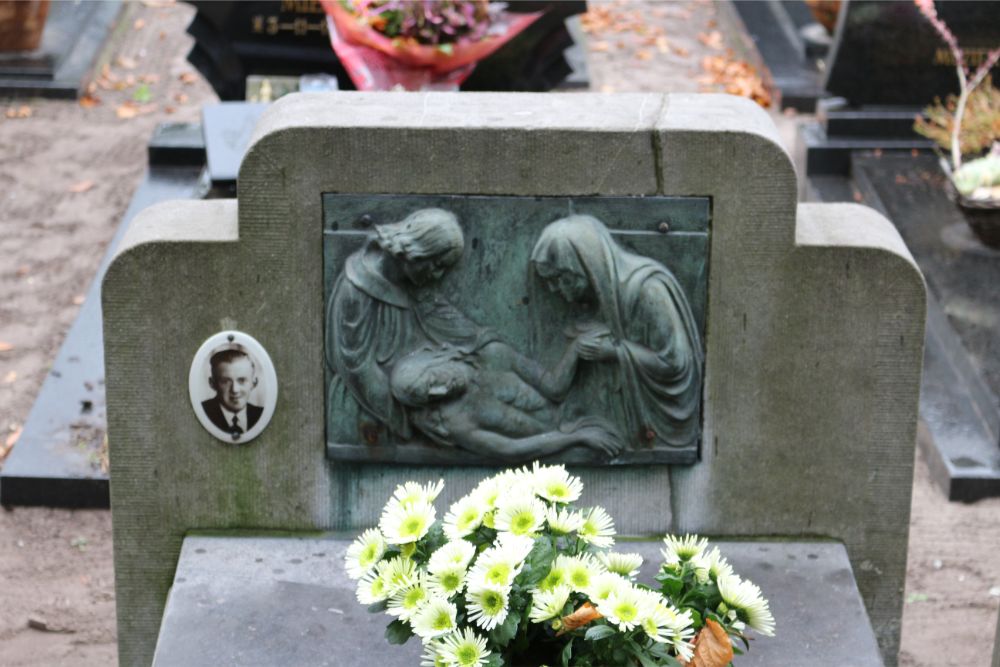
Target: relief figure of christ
x=495, y=402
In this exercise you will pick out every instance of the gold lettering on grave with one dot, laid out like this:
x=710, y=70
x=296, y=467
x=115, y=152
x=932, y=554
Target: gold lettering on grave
x=302, y=6
x=974, y=56
x=300, y=27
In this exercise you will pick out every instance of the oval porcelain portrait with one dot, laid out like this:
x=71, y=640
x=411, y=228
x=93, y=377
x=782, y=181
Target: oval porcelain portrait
x=233, y=387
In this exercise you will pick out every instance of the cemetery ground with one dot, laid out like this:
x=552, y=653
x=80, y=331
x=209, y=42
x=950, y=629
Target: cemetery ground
x=69, y=171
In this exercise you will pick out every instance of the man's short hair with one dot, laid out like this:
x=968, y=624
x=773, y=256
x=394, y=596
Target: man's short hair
x=228, y=356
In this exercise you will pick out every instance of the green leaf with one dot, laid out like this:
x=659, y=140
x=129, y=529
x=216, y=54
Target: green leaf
x=597, y=632
x=503, y=633
x=495, y=660
x=398, y=632
x=378, y=607
x=142, y=94
x=567, y=653
x=446, y=49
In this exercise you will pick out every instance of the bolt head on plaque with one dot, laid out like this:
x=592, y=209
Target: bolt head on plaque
x=233, y=387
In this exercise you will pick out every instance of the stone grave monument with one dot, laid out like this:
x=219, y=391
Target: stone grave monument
x=435, y=285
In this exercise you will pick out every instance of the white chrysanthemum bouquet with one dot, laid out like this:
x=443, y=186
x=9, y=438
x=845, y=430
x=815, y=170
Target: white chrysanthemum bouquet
x=516, y=576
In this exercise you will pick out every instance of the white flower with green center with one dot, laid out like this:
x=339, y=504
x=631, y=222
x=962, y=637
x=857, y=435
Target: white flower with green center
x=717, y=565
x=406, y=523
x=434, y=619
x=494, y=568
x=407, y=601
x=625, y=607
x=448, y=581
x=682, y=549
x=580, y=570
x=488, y=492
x=597, y=529
x=464, y=516
x=626, y=565
x=412, y=492
x=432, y=656
x=364, y=553
x=746, y=599
x=555, y=484
x=487, y=606
x=563, y=521
x=555, y=578
x=548, y=604
x=455, y=553
x=520, y=514
x=398, y=573
x=372, y=588
x=464, y=649
x=604, y=585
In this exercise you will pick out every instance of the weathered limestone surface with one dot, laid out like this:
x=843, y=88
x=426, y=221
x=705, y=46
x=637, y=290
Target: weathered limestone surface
x=813, y=347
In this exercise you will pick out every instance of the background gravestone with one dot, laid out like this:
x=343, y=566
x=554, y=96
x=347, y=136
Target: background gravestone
x=814, y=331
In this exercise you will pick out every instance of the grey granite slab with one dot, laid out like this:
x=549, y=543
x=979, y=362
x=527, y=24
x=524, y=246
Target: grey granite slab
x=287, y=601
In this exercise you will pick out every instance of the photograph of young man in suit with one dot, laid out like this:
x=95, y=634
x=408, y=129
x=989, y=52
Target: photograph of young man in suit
x=234, y=377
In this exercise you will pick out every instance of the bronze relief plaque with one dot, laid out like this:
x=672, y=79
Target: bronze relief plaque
x=467, y=330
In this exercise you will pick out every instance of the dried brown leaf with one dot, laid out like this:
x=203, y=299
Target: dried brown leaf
x=712, y=647
x=126, y=111
x=187, y=78
x=78, y=299
x=681, y=51
x=139, y=24
x=10, y=377
x=5, y=347
x=89, y=101
x=642, y=54
x=82, y=186
x=600, y=47
x=662, y=45
x=150, y=78
x=126, y=62
x=712, y=40
x=181, y=98
x=585, y=614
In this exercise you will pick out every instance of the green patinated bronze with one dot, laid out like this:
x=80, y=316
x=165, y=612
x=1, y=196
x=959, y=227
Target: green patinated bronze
x=466, y=330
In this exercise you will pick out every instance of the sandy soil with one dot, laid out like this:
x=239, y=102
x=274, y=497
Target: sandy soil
x=56, y=576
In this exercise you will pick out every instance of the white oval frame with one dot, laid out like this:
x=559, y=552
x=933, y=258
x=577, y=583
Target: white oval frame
x=265, y=374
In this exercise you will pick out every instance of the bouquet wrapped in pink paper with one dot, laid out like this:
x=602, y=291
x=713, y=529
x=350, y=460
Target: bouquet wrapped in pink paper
x=417, y=45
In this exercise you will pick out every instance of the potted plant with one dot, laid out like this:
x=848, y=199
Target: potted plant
x=418, y=44
x=517, y=576
x=968, y=126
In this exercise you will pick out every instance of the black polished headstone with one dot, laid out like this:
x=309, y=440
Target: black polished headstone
x=888, y=53
x=227, y=128
x=289, y=37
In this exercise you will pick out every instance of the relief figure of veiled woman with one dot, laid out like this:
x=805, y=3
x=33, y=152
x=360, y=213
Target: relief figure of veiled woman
x=381, y=308
x=646, y=349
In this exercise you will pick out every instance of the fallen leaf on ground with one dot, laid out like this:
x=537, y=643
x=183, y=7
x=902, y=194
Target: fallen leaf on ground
x=712, y=647
x=643, y=55
x=142, y=94
x=127, y=63
x=579, y=618
x=187, y=78
x=180, y=98
x=139, y=24
x=19, y=112
x=78, y=299
x=169, y=110
x=600, y=47
x=131, y=110
x=89, y=101
x=681, y=51
x=737, y=77
x=5, y=347
x=662, y=45
x=10, y=442
x=82, y=186
x=150, y=78
x=23, y=270
x=10, y=377
x=712, y=40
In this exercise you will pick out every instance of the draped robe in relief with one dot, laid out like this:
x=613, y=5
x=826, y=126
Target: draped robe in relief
x=372, y=322
x=655, y=385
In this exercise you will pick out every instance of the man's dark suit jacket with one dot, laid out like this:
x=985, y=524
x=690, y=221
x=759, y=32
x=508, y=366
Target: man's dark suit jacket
x=213, y=409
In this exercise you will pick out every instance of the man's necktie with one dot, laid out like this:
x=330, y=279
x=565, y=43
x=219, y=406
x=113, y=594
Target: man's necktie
x=235, y=428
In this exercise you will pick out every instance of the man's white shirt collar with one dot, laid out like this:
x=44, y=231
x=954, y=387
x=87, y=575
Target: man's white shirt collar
x=241, y=417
